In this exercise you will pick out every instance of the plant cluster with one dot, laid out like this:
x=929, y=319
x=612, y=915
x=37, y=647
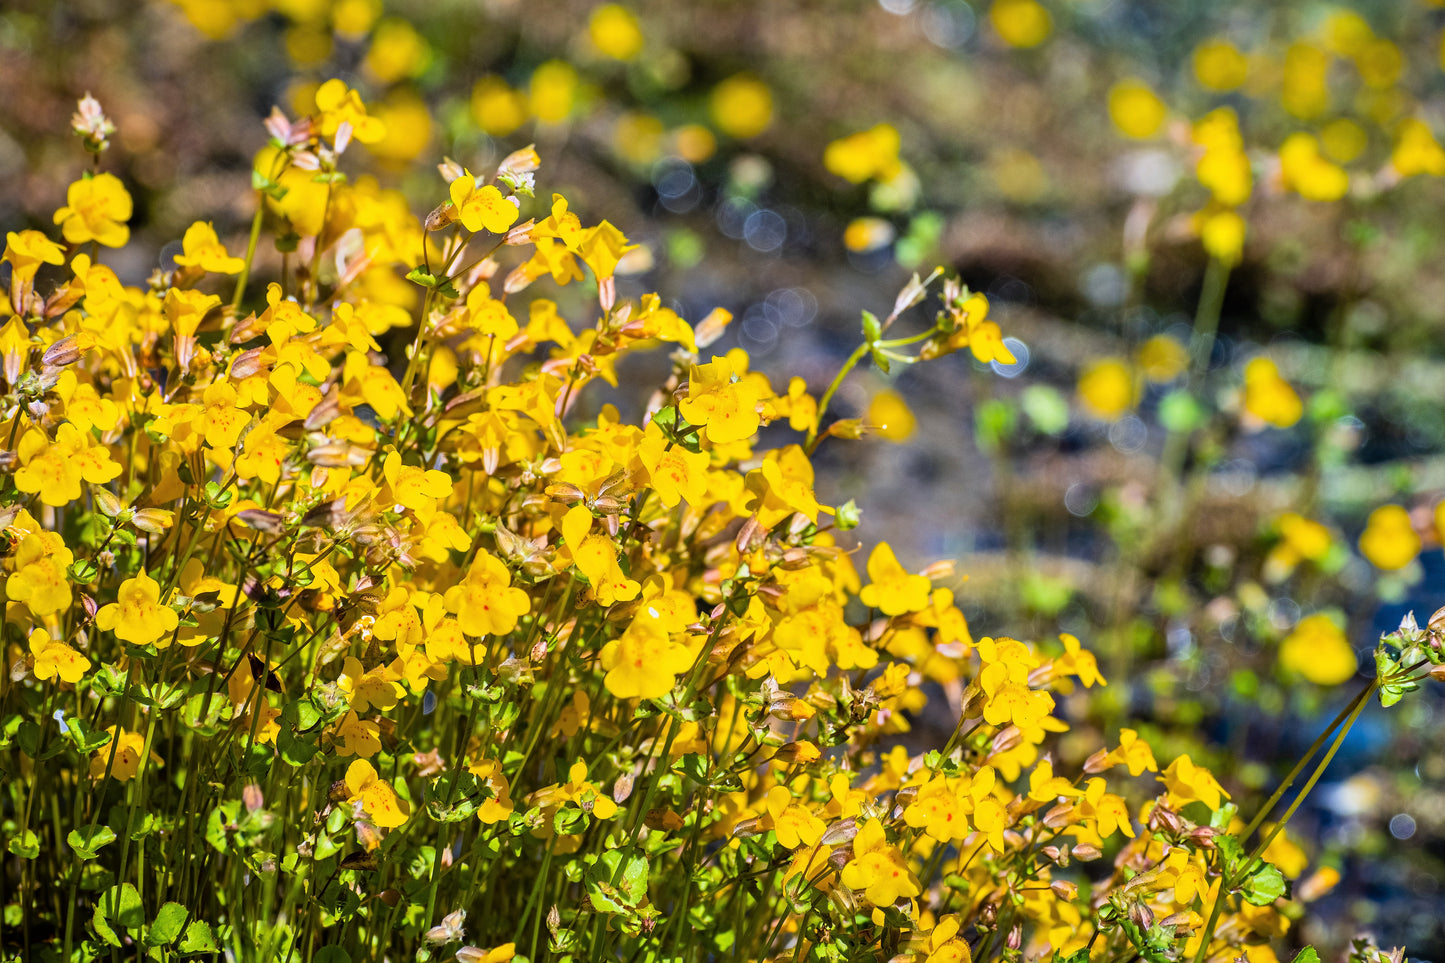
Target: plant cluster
x=320, y=654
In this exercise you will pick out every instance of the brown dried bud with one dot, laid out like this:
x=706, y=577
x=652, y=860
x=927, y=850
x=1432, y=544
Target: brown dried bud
x=338, y=454
x=441, y=216
x=566, y=493
x=751, y=535
x=1098, y=762
x=252, y=797
x=247, y=364
x=327, y=410
x=622, y=788
x=63, y=352
x=1142, y=915
x=842, y=831
x=710, y=328
x=1064, y=889
x=107, y=502
x=263, y=521
x=153, y=520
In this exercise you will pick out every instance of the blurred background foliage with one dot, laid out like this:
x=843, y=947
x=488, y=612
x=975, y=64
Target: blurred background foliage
x=1229, y=517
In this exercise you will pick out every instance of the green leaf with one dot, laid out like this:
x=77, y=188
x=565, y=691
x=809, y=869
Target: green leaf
x=88, y=842
x=420, y=275
x=1307, y=955
x=1265, y=886
x=198, y=939
x=120, y=904
x=86, y=740
x=332, y=954
x=167, y=926
x=26, y=846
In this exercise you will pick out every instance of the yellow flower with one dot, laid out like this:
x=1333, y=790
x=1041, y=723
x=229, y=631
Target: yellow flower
x=795, y=824
x=54, y=470
x=1135, y=109
x=601, y=247
x=485, y=601
x=1318, y=650
x=1389, y=540
x=1107, y=388
x=55, y=658
x=357, y=737
x=26, y=251
x=397, y=51
x=1133, y=752
x=1021, y=23
x=201, y=248
x=1078, y=662
x=877, y=868
x=1045, y=787
x=893, y=591
x=871, y=153
x=96, y=209
x=128, y=748
x=727, y=408
x=483, y=208
x=41, y=579
x=1269, y=397
x=137, y=615
x=1108, y=811
x=615, y=32
x=644, y=662
x=742, y=106
x=1187, y=783
x=378, y=800
x=340, y=105
x=673, y=472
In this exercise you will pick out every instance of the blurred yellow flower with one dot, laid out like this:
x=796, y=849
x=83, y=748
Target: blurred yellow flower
x=1318, y=650
x=1021, y=23
x=615, y=32
x=742, y=106
x=1389, y=540
x=1219, y=66
x=868, y=234
x=1307, y=172
x=1222, y=232
x=552, y=93
x=1269, y=397
x=1107, y=389
x=397, y=52
x=1162, y=358
x=1343, y=140
x=408, y=127
x=1305, y=92
x=871, y=153
x=1135, y=109
x=496, y=107
x=889, y=417
x=1417, y=151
